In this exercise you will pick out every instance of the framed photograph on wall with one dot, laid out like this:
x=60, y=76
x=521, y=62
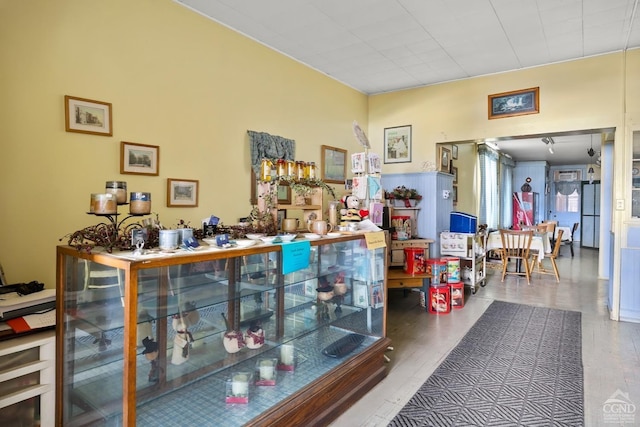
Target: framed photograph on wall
x=284, y=194
x=514, y=103
x=454, y=172
x=455, y=194
x=454, y=152
x=182, y=193
x=87, y=116
x=444, y=156
x=139, y=159
x=397, y=144
x=334, y=164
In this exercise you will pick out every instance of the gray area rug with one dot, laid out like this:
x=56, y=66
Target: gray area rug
x=517, y=366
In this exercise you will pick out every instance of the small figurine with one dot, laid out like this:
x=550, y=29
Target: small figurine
x=151, y=354
x=183, y=339
x=351, y=211
x=254, y=338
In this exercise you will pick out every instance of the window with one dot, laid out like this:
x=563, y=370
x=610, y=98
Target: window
x=567, y=196
x=489, y=198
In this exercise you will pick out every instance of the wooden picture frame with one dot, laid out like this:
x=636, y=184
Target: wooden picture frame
x=444, y=156
x=454, y=172
x=280, y=215
x=139, y=159
x=333, y=164
x=182, y=193
x=455, y=194
x=454, y=152
x=84, y=115
x=514, y=103
x=397, y=144
x=283, y=193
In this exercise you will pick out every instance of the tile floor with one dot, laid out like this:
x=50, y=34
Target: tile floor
x=610, y=350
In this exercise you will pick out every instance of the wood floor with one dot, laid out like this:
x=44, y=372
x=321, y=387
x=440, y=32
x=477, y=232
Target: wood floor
x=610, y=350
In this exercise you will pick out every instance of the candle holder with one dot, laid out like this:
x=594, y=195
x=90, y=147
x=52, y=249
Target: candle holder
x=266, y=371
x=237, y=387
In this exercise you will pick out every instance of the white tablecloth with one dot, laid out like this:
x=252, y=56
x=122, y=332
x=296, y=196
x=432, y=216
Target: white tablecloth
x=566, y=233
x=540, y=243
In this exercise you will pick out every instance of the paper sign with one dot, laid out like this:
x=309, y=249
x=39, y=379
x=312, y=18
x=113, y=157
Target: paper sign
x=295, y=256
x=375, y=240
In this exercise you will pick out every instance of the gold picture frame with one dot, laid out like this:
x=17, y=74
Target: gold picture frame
x=84, y=115
x=182, y=193
x=139, y=159
x=333, y=164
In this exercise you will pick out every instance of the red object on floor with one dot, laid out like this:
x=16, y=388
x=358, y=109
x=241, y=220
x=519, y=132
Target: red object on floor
x=457, y=294
x=414, y=262
x=439, y=299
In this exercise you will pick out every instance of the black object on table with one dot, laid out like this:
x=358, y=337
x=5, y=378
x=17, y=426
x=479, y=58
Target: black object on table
x=343, y=346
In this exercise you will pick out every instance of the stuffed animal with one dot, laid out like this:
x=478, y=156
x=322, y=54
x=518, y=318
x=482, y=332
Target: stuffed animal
x=351, y=211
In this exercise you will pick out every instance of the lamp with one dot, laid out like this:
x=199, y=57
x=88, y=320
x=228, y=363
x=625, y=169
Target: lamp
x=549, y=142
x=590, y=172
x=590, y=151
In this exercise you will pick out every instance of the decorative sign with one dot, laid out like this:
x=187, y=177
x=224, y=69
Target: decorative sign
x=375, y=240
x=295, y=256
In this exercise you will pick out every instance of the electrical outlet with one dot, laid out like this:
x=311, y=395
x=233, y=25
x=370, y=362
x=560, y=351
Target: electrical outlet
x=620, y=204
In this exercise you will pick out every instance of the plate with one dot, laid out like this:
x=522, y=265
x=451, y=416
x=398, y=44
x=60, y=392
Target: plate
x=311, y=236
x=255, y=236
x=334, y=234
x=245, y=243
x=287, y=237
x=269, y=239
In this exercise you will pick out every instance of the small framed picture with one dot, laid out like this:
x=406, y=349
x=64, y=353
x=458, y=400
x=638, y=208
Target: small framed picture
x=139, y=159
x=334, y=164
x=87, y=116
x=514, y=103
x=454, y=152
x=377, y=296
x=454, y=172
x=445, y=157
x=397, y=144
x=361, y=295
x=284, y=194
x=281, y=214
x=182, y=193
x=455, y=194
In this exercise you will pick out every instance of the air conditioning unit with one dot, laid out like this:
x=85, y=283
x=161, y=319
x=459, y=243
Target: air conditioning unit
x=560, y=176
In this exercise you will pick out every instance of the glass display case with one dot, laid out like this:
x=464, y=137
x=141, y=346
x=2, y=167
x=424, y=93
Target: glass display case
x=274, y=333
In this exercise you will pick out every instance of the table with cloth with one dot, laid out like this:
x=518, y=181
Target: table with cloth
x=540, y=243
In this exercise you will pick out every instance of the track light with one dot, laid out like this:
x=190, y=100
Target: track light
x=551, y=149
x=549, y=141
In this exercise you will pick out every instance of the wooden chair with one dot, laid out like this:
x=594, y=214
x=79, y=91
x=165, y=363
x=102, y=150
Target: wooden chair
x=551, y=257
x=515, y=247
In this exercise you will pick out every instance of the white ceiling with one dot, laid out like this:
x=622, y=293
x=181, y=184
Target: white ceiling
x=378, y=46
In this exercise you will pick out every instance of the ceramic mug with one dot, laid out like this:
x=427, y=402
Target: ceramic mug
x=320, y=227
x=290, y=225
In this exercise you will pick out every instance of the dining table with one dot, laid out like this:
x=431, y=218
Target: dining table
x=540, y=243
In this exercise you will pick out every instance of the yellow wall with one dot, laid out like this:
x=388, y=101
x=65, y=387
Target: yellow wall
x=176, y=80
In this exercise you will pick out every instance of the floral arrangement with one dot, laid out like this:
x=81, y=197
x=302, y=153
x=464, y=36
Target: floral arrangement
x=403, y=193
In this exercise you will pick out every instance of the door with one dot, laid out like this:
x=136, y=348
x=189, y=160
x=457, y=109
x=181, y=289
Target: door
x=590, y=215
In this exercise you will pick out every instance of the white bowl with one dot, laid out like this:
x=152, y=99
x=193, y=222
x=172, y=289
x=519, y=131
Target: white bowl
x=334, y=234
x=255, y=236
x=210, y=241
x=245, y=243
x=311, y=236
x=287, y=237
x=268, y=239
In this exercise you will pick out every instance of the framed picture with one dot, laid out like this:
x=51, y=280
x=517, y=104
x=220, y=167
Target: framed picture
x=444, y=157
x=280, y=215
x=361, y=295
x=334, y=164
x=515, y=103
x=182, y=193
x=377, y=296
x=455, y=194
x=139, y=159
x=87, y=116
x=284, y=194
x=454, y=152
x=454, y=172
x=397, y=144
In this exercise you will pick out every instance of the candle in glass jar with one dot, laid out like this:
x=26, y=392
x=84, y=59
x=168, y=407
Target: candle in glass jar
x=105, y=204
x=266, y=370
x=140, y=203
x=240, y=385
x=119, y=189
x=286, y=354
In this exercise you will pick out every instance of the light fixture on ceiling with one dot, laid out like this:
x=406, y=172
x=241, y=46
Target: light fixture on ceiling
x=590, y=172
x=590, y=151
x=549, y=142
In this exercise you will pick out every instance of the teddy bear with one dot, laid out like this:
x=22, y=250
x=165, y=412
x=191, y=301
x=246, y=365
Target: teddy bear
x=351, y=211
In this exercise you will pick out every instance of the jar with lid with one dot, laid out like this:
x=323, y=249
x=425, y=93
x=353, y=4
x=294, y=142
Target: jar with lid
x=312, y=170
x=105, y=204
x=300, y=170
x=265, y=170
x=281, y=168
x=140, y=203
x=119, y=189
x=291, y=169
